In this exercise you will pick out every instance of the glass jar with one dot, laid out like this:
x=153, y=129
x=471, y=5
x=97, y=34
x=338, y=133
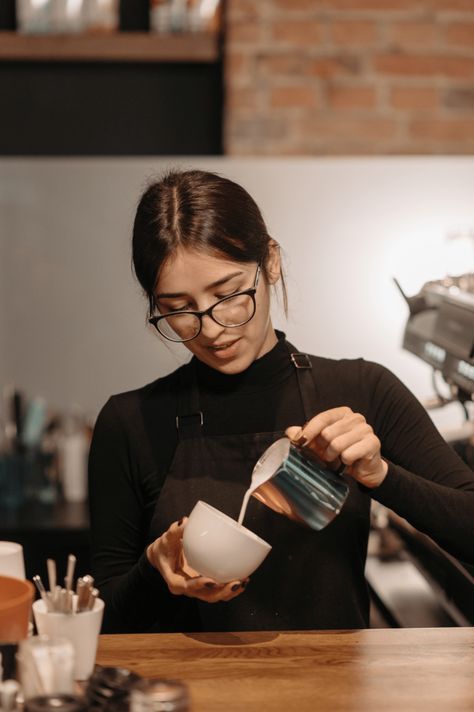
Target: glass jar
x=156, y=695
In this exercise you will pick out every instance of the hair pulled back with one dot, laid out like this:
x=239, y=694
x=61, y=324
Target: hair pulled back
x=196, y=210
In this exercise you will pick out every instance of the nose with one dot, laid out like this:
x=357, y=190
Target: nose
x=210, y=328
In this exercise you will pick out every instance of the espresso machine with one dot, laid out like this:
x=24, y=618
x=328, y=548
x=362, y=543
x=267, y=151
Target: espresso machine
x=440, y=331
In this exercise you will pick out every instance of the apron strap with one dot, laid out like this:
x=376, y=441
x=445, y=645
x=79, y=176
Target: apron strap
x=306, y=382
x=190, y=418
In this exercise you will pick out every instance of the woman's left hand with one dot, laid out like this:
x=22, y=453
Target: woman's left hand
x=341, y=434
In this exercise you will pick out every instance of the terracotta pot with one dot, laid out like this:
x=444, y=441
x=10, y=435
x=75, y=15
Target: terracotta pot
x=16, y=597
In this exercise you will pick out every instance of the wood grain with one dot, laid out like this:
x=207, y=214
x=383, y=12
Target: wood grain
x=419, y=670
x=114, y=47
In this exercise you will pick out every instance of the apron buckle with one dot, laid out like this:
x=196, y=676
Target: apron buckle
x=183, y=420
x=301, y=360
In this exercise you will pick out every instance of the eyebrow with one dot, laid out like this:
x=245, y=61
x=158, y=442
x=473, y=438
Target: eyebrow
x=217, y=283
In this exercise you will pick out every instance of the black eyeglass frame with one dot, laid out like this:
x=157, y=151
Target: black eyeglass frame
x=155, y=320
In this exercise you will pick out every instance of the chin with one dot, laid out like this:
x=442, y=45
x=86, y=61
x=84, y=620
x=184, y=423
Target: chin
x=231, y=367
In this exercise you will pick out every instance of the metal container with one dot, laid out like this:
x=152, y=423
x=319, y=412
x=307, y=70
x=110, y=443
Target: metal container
x=295, y=482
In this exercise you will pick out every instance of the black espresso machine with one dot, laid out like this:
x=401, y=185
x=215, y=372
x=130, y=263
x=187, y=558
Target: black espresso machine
x=440, y=331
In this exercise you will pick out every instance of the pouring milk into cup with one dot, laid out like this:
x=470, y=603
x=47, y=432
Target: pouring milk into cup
x=286, y=478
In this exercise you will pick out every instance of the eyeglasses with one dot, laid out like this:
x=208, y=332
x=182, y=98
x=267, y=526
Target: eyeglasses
x=234, y=310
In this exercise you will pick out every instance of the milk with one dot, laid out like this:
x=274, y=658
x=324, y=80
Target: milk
x=260, y=475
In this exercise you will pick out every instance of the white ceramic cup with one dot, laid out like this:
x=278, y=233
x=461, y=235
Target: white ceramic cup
x=219, y=547
x=82, y=629
x=11, y=560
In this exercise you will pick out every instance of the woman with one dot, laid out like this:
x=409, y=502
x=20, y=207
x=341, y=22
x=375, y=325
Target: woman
x=204, y=258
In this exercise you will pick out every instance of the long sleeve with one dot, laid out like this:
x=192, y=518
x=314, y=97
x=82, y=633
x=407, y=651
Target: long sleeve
x=427, y=483
x=135, y=594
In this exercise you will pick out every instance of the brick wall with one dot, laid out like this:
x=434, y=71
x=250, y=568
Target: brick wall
x=332, y=77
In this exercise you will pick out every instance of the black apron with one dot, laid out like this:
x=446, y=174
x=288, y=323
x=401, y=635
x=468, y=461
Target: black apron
x=286, y=591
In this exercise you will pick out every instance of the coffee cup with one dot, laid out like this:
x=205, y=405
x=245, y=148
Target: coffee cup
x=11, y=559
x=219, y=547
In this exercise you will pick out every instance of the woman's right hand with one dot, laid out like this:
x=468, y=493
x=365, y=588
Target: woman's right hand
x=166, y=555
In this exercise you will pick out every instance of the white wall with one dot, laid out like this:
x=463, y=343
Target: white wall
x=74, y=319
x=3, y=331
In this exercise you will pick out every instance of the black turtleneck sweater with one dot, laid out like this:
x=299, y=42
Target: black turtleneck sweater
x=135, y=439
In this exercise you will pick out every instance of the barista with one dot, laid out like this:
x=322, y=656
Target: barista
x=207, y=264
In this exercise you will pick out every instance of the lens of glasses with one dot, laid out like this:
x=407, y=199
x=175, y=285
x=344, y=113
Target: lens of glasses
x=179, y=327
x=234, y=311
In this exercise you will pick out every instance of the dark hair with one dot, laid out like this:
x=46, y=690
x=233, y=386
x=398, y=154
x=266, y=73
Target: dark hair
x=198, y=210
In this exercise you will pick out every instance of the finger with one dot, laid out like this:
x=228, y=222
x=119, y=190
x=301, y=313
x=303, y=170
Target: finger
x=294, y=432
x=177, y=583
x=203, y=585
x=316, y=425
x=365, y=450
x=342, y=426
x=233, y=589
x=206, y=590
x=185, y=568
x=177, y=528
x=172, y=537
x=220, y=592
x=343, y=442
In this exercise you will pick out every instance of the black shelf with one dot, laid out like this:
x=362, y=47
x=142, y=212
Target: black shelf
x=49, y=531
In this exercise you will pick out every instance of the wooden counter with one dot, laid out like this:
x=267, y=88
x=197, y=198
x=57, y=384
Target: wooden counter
x=417, y=669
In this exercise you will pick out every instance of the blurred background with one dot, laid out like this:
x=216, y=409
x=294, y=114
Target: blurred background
x=351, y=122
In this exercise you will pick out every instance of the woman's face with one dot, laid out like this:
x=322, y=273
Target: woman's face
x=194, y=281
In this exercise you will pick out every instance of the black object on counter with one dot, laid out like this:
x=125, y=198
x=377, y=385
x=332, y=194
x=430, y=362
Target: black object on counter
x=8, y=653
x=109, y=688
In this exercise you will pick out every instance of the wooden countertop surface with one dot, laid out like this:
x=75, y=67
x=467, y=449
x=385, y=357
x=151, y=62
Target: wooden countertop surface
x=388, y=670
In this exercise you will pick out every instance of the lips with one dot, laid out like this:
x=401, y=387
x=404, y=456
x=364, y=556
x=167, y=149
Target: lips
x=223, y=346
x=225, y=350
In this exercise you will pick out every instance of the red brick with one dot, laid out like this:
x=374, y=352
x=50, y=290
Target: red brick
x=238, y=9
x=376, y=5
x=238, y=98
x=459, y=98
x=352, y=97
x=257, y=128
x=409, y=34
x=288, y=64
x=423, y=65
x=297, y=32
x=342, y=127
x=414, y=98
x=453, y=5
x=456, y=130
x=353, y=33
x=327, y=67
x=291, y=97
x=461, y=34
x=244, y=31
x=237, y=65
x=307, y=5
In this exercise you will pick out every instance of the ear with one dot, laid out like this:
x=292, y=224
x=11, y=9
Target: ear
x=273, y=264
